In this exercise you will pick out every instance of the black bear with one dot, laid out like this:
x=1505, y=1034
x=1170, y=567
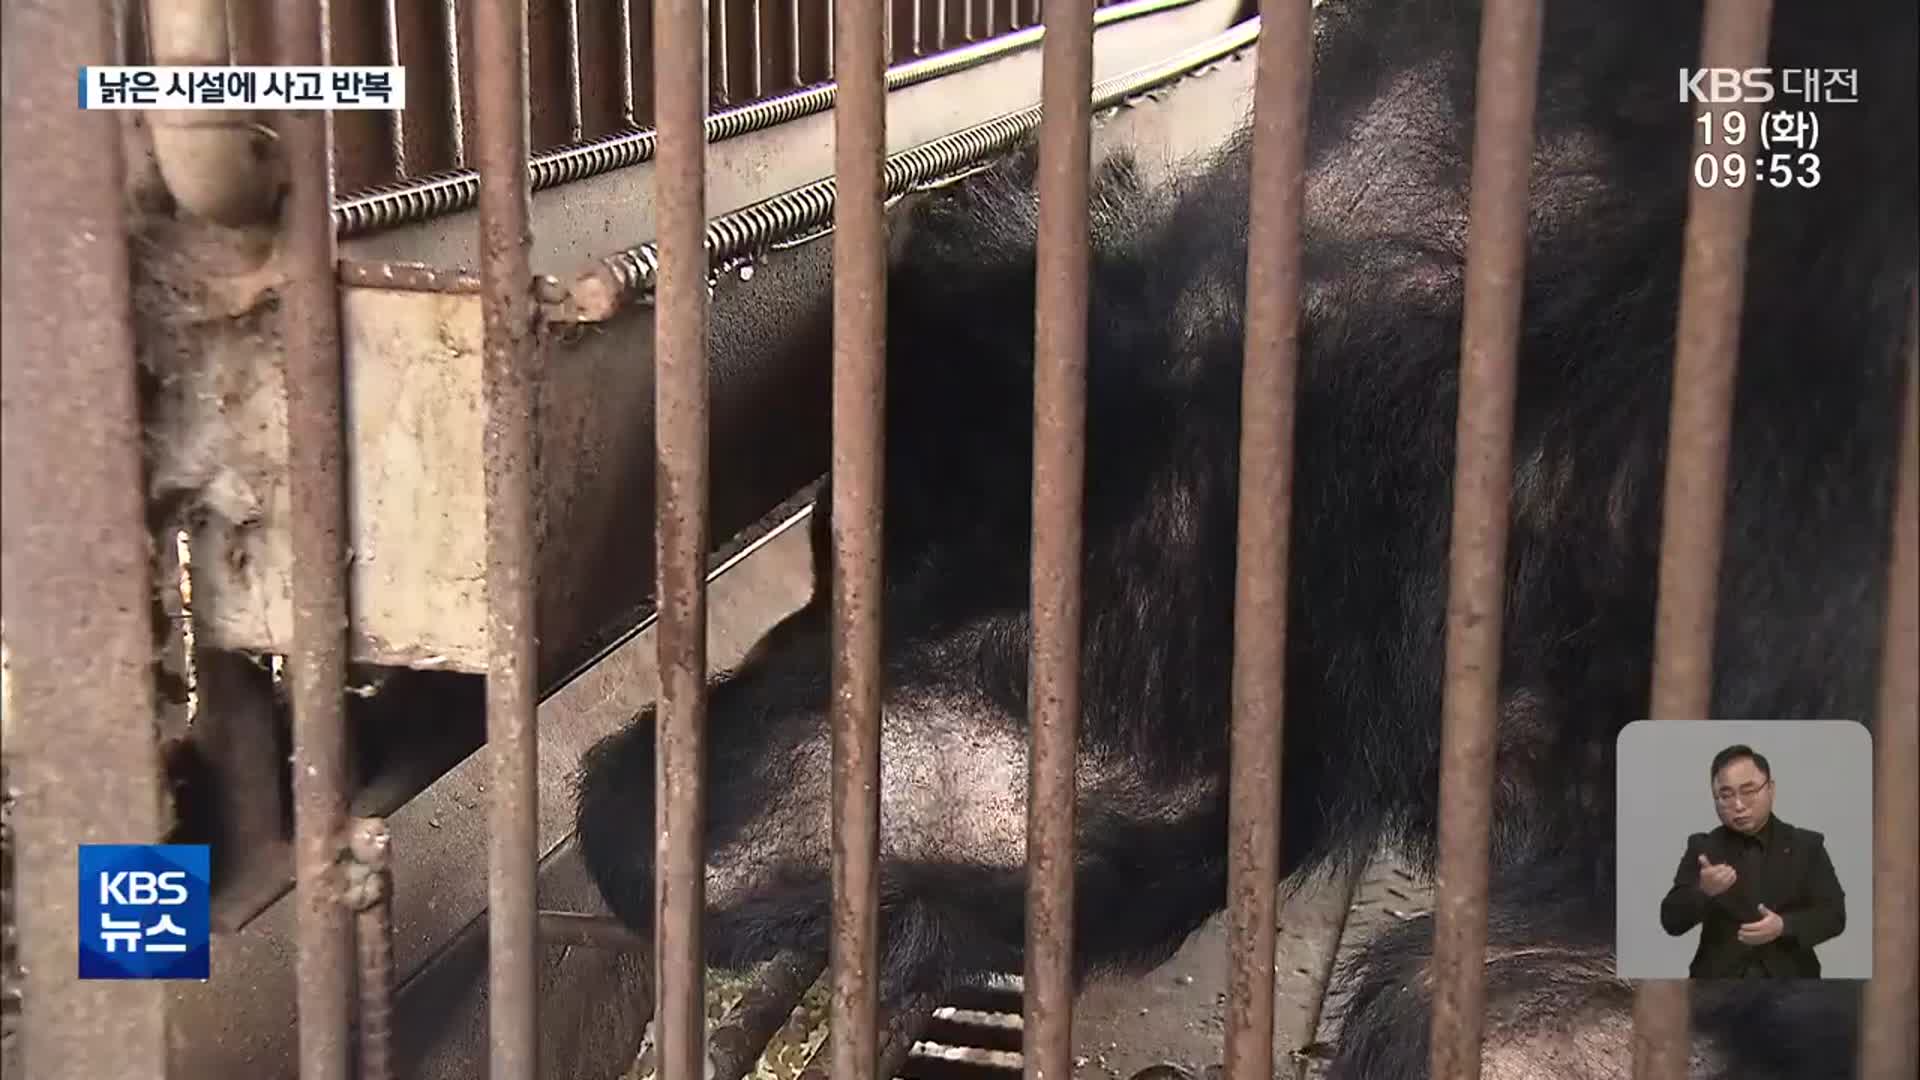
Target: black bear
x=1831, y=273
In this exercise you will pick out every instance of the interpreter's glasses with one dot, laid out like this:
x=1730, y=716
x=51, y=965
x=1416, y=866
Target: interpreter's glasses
x=1746, y=794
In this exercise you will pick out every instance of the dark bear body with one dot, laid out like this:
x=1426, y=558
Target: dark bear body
x=1831, y=273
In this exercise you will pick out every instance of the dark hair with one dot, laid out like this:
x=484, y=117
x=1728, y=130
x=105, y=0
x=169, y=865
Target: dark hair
x=1736, y=752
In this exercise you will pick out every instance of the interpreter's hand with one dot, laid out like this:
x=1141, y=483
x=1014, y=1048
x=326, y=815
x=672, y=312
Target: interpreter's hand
x=1715, y=878
x=1762, y=930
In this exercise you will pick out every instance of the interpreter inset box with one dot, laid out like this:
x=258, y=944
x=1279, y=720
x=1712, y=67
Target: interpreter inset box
x=1745, y=850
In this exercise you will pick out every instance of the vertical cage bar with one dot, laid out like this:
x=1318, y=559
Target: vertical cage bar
x=396, y=118
x=317, y=522
x=681, y=434
x=502, y=131
x=1508, y=73
x=576, y=121
x=756, y=51
x=1277, y=198
x=1733, y=34
x=828, y=22
x=1059, y=481
x=859, y=340
x=626, y=64
x=794, y=76
x=456, y=108
x=919, y=28
x=722, y=84
x=940, y=42
x=76, y=572
x=1888, y=1038
x=972, y=25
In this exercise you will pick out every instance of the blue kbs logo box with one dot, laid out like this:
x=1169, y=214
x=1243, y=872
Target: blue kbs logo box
x=144, y=911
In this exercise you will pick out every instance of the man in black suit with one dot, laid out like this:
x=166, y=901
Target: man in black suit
x=1762, y=891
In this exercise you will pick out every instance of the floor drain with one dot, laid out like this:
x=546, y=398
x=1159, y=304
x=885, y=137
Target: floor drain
x=975, y=1036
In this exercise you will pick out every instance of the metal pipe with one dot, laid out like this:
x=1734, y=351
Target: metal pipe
x=1059, y=481
x=680, y=537
x=456, y=118
x=626, y=64
x=73, y=542
x=859, y=380
x=502, y=128
x=1277, y=198
x=576, y=122
x=317, y=519
x=206, y=157
x=1508, y=73
x=396, y=118
x=369, y=893
x=1888, y=1039
x=1733, y=34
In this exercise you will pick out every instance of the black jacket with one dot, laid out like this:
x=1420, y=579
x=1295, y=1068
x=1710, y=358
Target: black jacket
x=1783, y=867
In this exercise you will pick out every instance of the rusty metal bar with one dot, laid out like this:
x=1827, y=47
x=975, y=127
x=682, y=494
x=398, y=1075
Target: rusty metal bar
x=501, y=130
x=1059, y=481
x=1733, y=34
x=576, y=121
x=396, y=118
x=859, y=343
x=317, y=668
x=1277, y=198
x=626, y=64
x=456, y=109
x=680, y=538
x=369, y=892
x=1889, y=1044
x=76, y=573
x=1508, y=73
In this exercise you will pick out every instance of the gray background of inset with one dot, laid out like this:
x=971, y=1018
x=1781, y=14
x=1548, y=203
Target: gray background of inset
x=1823, y=780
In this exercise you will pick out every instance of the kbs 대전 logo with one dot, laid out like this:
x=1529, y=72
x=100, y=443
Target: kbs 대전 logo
x=144, y=911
